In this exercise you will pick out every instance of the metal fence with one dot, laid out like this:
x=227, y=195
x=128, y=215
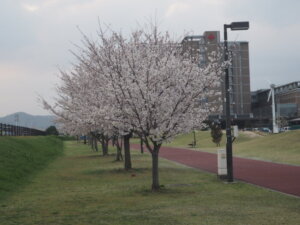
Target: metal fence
x=12, y=130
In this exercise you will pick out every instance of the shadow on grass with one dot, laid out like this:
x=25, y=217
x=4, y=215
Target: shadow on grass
x=168, y=189
x=89, y=156
x=117, y=171
x=95, y=155
x=138, y=171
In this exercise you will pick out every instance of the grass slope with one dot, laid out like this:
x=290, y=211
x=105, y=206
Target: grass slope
x=204, y=140
x=84, y=188
x=21, y=157
x=283, y=147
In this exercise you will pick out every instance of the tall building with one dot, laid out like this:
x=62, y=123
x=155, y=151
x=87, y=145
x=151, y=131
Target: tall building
x=287, y=102
x=201, y=46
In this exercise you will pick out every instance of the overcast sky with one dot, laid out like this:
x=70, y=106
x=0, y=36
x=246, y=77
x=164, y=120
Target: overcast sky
x=36, y=36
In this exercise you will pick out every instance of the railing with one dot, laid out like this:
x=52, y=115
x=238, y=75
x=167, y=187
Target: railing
x=12, y=130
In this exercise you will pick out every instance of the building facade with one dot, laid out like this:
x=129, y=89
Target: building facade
x=201, y=46
x=287, y=102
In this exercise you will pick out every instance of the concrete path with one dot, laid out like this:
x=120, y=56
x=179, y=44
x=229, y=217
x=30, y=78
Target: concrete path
x=279, y=177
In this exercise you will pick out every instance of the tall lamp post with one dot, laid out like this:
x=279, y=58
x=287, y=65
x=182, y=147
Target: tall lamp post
x=233, y=26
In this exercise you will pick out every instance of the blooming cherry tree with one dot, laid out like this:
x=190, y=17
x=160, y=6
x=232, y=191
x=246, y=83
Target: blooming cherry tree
x=158, y=88
x=144, y=83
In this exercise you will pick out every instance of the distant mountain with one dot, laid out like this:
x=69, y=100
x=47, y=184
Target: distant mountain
x=27, y=120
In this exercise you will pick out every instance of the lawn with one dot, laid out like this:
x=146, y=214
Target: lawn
x=282, y=148
x=22, y=157
x=81, y=187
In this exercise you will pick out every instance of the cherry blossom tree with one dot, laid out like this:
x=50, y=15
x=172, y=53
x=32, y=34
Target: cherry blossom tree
x=158, y=88
x=144, y=83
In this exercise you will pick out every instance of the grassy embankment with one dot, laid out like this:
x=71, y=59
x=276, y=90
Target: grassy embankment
x=282, y=148
x=22, y=157
x=82, y=187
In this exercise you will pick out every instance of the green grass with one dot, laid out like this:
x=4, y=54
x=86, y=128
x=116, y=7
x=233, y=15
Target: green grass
x=81, y=187
x=282, y=148
x=22, y=157
x=204, y=140
x=67, y=138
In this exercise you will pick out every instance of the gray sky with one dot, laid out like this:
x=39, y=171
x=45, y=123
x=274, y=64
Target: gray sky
x=36, y=36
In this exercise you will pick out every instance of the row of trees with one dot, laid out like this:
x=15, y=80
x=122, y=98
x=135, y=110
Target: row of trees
x=142, y=84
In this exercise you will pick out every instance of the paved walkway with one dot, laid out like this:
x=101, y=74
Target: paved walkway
x=279, y=177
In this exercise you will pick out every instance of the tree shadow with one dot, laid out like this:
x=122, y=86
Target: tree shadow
x=167, y=189
x=133, y=171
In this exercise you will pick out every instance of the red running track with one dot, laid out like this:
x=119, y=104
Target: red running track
x=279, y=177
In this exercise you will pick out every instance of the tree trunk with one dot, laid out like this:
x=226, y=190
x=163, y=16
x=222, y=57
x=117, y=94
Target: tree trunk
x=127, y=163
x=114, y=140
x=106, y=141
x=84, y=139
x=155, y=178
x=195, y=142
x=95, y=144
x=119, y=156
x=91, y=142
x=142, y=146
x=104, y=147
x=104, y=144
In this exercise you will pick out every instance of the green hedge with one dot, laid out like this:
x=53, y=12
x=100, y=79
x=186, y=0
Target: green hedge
x=22, y=157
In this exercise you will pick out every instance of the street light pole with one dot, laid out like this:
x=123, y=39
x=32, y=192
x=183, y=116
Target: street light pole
x=232, y=26
x=228, y=119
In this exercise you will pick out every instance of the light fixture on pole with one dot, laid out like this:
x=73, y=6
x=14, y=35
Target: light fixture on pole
x=233, y=26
